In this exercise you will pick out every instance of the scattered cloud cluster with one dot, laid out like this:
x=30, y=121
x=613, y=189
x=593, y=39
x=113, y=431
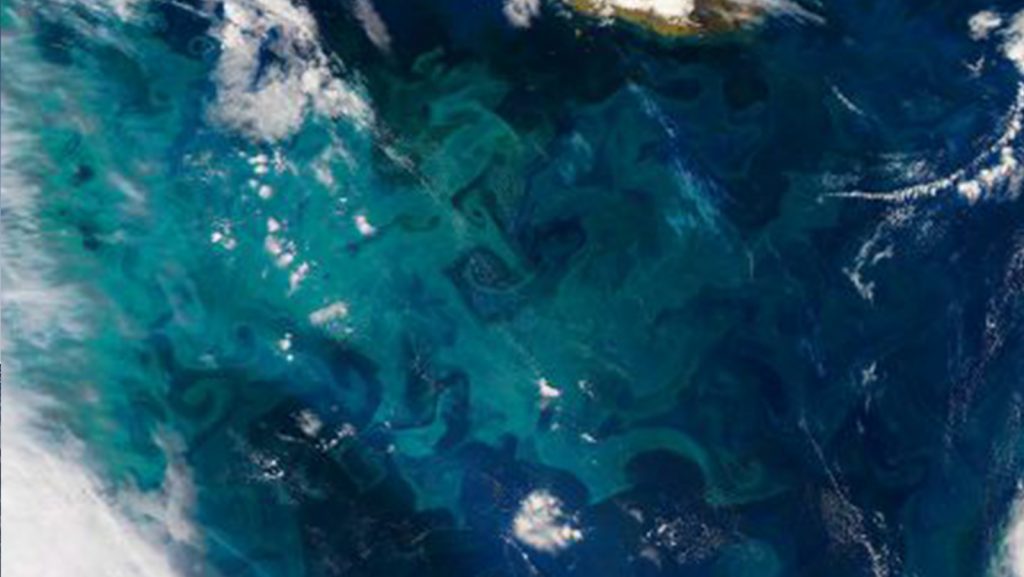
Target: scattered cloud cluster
x=271, y=100
x=542, y=524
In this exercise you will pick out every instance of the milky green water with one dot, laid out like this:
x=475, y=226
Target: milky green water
x=489, y=262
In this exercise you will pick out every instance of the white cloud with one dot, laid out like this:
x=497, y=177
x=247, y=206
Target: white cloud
x=330, y=313
x=373, y=24
x=270, y=100
x=520, y=13
x=983, y=23
x=1013, y=41
x=541, y=523
x=998, y=166
x=57, y=520
x=1011, y=559
x=31, y=297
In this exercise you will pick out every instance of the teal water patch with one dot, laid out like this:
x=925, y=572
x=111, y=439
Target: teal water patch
x=374, y=300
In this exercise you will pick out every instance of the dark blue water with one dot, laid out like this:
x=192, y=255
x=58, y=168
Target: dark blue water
x=741, y=305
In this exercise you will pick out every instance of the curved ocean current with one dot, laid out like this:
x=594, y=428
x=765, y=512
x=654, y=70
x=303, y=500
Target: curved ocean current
x=386, y=288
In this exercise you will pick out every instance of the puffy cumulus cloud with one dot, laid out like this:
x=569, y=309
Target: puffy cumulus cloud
x=541, y=523
x=269, y=99
x=520, y=13
x=983, y=23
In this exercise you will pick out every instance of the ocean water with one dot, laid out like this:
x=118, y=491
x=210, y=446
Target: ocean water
x=480, y=288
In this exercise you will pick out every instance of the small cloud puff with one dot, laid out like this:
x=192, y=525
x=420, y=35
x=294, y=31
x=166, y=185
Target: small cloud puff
x=541, y=523
x=521, y=13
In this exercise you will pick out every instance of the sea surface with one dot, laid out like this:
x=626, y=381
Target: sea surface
x=388, y=288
